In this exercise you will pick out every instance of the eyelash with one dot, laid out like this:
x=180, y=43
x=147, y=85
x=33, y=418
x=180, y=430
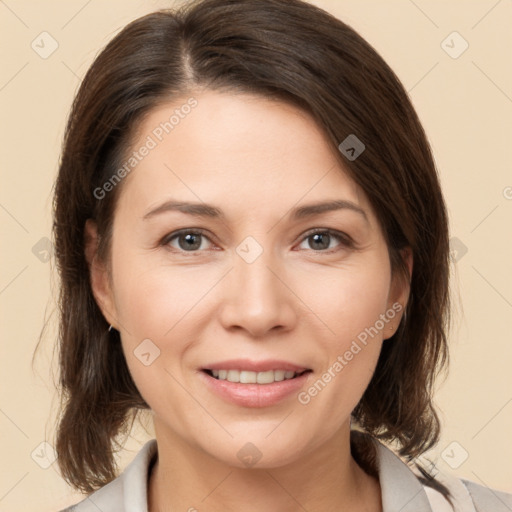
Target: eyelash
x=345, y=240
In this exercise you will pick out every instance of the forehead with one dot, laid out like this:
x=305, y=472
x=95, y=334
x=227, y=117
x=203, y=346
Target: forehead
x=236, y=150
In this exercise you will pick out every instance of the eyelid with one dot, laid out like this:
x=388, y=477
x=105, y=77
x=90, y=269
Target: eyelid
x=165, y=241
x=344, y=239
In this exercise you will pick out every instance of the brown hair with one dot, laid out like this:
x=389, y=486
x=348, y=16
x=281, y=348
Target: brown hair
x=282, y=49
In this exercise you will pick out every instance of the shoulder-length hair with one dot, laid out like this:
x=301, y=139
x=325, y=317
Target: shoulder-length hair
x=287, y=50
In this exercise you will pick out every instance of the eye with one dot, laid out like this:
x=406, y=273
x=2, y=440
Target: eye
x=187, y=240
x=320, y=240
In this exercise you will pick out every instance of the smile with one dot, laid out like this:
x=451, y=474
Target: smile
x=250, y=377
x=249, y=383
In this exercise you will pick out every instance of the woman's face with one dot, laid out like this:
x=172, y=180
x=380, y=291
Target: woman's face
x=217, y=275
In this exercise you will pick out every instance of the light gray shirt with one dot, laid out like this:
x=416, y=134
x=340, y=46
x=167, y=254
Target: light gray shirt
x=400, y=487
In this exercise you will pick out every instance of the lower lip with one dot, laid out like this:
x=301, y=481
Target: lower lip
x=255, y=395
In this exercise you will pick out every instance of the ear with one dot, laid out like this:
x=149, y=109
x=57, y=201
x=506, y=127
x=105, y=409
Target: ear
x=98, y=274
x=399, y=293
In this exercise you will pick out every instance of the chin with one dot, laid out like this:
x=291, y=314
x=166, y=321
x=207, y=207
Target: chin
x=264, y=445
x=254, y=455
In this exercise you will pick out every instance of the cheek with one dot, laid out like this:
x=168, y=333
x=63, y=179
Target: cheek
x=157, y=308
x=351, y=304
x=153, y=299
x=161, y=309
x=347, y=301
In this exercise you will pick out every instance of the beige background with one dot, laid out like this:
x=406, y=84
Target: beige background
x=465, y=104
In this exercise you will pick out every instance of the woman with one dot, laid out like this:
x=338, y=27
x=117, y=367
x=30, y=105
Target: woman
x=253, y=245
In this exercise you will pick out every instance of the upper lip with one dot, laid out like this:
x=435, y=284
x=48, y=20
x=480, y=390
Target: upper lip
x=255, y=366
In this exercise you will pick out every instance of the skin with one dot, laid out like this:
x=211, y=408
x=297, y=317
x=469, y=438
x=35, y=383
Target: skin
x=256, y=160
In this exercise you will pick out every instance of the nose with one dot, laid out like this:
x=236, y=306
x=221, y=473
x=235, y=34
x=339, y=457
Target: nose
x=257, y=298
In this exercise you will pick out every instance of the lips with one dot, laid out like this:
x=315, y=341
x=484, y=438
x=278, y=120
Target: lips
x=254, y=384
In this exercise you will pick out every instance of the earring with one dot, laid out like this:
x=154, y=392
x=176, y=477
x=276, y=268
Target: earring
x=110, y=328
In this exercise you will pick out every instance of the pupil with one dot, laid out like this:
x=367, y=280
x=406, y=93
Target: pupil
x=317, y=237
x=192, y=242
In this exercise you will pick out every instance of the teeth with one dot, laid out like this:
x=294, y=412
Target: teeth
x=279, y=375
x=265, y=377
x=233, y=376
x=247, y=377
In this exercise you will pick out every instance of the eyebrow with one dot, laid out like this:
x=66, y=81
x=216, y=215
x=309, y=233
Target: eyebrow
x=301, y=212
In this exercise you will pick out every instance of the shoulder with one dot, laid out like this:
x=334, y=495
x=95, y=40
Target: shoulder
x=126, y=492
x=403, y=490
x=467, y=496
x=487, y=499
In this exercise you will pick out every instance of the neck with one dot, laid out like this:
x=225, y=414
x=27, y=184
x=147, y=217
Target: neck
x=328, y=478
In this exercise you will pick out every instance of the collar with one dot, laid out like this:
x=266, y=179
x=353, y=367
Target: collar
x=401, y=489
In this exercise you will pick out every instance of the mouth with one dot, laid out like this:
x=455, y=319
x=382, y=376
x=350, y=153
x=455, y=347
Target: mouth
x=252, y=377
x=249, y=383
